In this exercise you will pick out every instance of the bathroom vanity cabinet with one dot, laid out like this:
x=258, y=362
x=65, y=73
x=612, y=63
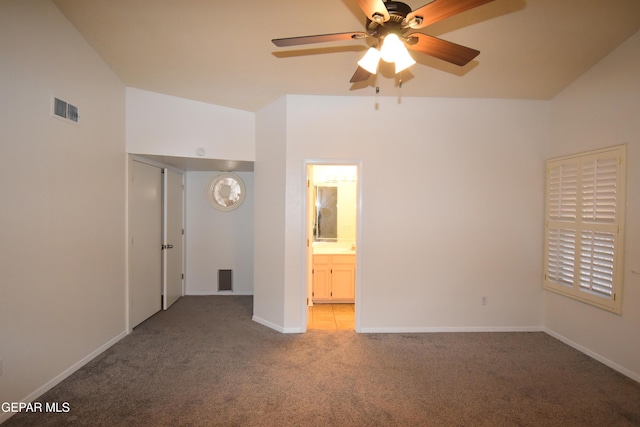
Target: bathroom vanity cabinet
x=334, y=278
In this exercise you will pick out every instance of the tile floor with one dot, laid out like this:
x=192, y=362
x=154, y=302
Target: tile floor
x=331, y=316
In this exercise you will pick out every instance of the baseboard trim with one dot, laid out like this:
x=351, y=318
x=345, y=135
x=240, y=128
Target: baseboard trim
x=624, y=371
x=65, y=374
x=275, y=327
x=400, y=330
x=207, y=293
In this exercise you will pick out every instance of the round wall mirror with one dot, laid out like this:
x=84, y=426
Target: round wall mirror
x=225, y=191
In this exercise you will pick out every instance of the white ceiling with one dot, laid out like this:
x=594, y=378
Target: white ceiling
x=220, y=52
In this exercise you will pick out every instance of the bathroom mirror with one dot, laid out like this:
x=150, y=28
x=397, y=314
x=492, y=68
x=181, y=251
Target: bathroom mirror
x=326, y=214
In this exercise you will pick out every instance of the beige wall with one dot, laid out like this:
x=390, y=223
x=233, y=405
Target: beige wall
x=217, y=240
x=601, y=109
x=452, y=208
x=171, y=126
x=62, y=228
x=269, y=218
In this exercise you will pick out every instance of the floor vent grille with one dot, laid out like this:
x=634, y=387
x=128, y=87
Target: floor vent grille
x=224, y=280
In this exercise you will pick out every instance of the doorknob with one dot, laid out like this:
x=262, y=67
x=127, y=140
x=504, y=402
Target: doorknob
x=169, y=246
x=166, y=247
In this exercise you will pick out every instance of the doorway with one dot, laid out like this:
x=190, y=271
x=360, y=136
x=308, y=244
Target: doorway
x=331, y=218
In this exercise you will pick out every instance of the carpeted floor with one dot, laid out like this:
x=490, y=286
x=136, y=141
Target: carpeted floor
x=204, y=362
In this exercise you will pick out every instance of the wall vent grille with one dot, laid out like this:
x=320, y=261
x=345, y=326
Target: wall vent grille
x=65, y=110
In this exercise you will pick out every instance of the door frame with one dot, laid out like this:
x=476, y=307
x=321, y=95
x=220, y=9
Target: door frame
x=307, y=242
x=165, y=233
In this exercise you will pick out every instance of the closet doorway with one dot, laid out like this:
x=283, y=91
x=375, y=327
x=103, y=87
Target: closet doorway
x=331, y=218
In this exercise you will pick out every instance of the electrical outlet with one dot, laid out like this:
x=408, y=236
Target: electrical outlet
x=484, y=300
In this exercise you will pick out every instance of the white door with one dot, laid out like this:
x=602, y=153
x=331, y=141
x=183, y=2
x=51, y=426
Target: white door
x=173, y=237
x=145, y=242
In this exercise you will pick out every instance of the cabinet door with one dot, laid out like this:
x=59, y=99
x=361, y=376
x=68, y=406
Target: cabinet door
x=321, y=278
x=343, y=283
x=343, y=277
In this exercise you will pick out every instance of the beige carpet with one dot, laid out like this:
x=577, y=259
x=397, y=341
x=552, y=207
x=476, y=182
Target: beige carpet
x=205, y=363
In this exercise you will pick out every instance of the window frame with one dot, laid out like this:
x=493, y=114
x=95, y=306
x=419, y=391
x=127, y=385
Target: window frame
x=573, y=188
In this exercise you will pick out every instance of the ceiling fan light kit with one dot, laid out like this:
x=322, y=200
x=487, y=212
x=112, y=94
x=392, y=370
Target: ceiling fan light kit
x=393, y=24
x=403, y=61
x=391, y=47
x=394, y=51
x=370, y=60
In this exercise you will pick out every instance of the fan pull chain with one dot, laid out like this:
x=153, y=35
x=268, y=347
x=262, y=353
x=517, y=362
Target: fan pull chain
x=376, y=82
x=400, y=90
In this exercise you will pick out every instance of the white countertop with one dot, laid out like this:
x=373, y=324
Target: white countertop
x=333, y=251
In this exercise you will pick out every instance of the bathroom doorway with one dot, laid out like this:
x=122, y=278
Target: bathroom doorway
x=331, y=218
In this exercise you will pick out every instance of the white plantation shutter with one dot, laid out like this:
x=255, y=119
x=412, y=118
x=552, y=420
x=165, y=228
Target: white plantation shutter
x=596, y=262
x=599, y=184
x=563, y=191
x=562, y=208
x=561, y=255
x=584, y=223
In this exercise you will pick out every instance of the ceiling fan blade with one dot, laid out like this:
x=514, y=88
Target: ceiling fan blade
x=373, y=8
x=441, y=49
x=321, y=38
x=438, y=10
x=360, y=75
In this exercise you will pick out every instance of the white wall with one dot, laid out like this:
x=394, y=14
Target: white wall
x=602, y=109
x=269, y=220
x=452, y=208
x=62, y=233
x=217, y=240
x=170, y=126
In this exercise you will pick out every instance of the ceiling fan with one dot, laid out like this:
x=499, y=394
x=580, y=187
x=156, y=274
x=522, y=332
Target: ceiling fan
x=393, y=25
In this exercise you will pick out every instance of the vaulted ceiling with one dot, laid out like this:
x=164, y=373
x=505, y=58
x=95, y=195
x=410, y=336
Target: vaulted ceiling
x=220, y=52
